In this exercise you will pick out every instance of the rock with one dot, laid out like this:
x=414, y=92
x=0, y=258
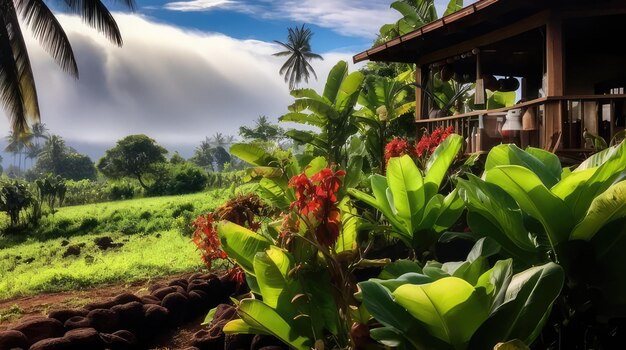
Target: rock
x=63, y=315
x=125, y=298
x=84, y=338
x=100, y=305
x=155, y=286
x=103, y=320
x=130, y=315
x=13, y=339
x=127, y=335
x=149, y=299
x=115, y=342
x=198, y=302
x=77, y=322
x=208, y=339
x=176, y=303
x=29, y=260
x=155, y=316
x=194, y=276
x=104, y=243
x=179, y=282
x=162, y=292
x=37, y=329
x=52, y=344
x=191, y=348
x=64, y=243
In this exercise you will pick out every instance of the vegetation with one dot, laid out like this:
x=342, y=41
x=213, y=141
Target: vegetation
x=298, y=49
x=17, y=84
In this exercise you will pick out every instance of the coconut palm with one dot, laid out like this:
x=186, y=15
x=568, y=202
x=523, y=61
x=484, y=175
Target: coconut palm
x=18, y=94
x=17, y=142
x=298, y=48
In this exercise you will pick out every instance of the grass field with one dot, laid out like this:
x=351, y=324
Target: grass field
x=150, y=229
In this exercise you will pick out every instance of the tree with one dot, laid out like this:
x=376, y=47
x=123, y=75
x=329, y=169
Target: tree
x=298, y=49
x=17, y=143
x=221, y=157
x=203, y=155
x=415, y=14
x=176, y=158
x=332, y=112
x=60, y=160
x=132, y=156
x=263, y=131
x=17, y=84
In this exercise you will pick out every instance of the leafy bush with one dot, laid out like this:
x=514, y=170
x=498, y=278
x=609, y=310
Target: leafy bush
x=122, y=190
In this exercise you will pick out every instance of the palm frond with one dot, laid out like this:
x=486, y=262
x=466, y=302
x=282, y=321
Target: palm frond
x=17, y=85
x=96, y=15
x=47, y=29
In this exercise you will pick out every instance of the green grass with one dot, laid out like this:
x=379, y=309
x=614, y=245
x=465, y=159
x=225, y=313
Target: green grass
x=151, y=229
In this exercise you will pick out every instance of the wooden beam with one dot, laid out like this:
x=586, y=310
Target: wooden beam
x=525, y=25
x=418, y=92
x=555, y=61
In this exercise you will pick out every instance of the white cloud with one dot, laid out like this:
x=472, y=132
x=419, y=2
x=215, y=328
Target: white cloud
x=174, y=85
x=197, y=5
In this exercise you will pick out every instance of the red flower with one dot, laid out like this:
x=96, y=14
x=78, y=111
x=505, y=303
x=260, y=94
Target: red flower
x=428, y=143
x=316, y=199
x=206, y=239
x=396, y=148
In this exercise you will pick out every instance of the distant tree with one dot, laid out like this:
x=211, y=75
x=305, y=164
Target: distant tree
x=177, y=158
x=203, y=155
x=17, y=84
x=298, y=49
x=18, y=142
x=133, y=156
x=32, y=153
x=60, y=160
x=221, y=157
x=263, y=131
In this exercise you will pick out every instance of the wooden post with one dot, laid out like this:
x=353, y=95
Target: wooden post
x=418, y=92
x=554, y=77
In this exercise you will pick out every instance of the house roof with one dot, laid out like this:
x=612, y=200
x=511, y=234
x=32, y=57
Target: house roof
x=479, y=18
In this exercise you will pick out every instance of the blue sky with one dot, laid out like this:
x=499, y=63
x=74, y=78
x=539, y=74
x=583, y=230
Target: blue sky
x=191, y=68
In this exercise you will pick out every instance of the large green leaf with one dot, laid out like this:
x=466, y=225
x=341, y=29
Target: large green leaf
x=350, y=222
x=496, y=281
x=253, y=154
x=439, y=162
x=308, y=93
x=406, y=184
x=303, y=118
x=534, y=199
x=609, y=206
x=272, y=268
x=335, y=77
x=528, y=300
x=493, y=213
x=544, y=164
x=382, y=306
x=452, y=208
x=348, y=91
x=453, y=6
x=241, y=244
x=314, y=106
x=274, y=194
x=598, y=159
x=450, y=308
x=399, y=268
x=259, y=316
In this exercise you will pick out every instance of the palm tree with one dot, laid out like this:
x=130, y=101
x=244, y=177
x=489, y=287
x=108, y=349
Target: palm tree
x=297, y=66
x=40, y=131
x=17, y=142
x=17, y=84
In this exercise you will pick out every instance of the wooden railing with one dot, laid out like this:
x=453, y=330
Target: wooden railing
x=560, y=122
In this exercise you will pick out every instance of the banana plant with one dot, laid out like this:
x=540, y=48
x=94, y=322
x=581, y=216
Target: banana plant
x=537, y=212
x=383, y=101
x=462, y=305
x=332, y=113
x=409, y=200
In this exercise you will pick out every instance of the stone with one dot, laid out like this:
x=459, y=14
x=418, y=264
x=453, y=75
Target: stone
x=37, y=329
x=162, y=292
x=155, y=286
x=176, y=303
x=267, y=342
x=58, y=343
x=130, y=315
x=100, y=305
x=77, y=322
x=13, y=339
x=156, y=316
x=125, y=298
x=103, y=320
x=63, y=315
x=179, y=282
x=84, y=338
x=149, y=299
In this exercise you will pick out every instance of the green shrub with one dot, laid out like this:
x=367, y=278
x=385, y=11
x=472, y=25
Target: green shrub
x=181, y=208
x=122, y=190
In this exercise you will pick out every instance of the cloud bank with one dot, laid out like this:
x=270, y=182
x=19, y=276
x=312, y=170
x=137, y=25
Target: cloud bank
x=174, y=85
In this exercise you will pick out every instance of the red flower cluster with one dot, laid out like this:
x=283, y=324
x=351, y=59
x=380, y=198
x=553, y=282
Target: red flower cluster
x=206, y=239
x=428, y=143
x=316, y=199
x=396, y=148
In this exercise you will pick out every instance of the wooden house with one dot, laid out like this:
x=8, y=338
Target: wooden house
x=568, y=57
